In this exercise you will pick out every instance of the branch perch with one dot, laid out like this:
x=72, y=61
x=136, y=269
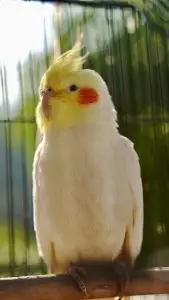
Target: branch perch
x=62, y=287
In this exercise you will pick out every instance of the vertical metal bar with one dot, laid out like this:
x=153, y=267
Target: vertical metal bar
x=114, y=67
x=32, y=81
x=120, y=73
x=109, y=76
x=127, y=66
x=70, y=25
x=46, y=51
x=152, y=88
x=24, y=176
x=9, y=187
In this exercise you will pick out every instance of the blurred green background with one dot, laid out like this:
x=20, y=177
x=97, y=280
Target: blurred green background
x=132, y=55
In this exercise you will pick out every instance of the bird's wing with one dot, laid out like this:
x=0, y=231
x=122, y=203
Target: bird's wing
x=35, y=179
x=44, y=244
x=134, y=234
x=36, y=195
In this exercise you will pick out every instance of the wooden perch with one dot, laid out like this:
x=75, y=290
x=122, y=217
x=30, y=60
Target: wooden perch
x=101, y=286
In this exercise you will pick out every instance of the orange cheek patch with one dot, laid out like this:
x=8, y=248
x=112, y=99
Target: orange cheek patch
x=87, y=96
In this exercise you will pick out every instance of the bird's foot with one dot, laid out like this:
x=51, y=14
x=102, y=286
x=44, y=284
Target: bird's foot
x=78, y=274
x=121, y=272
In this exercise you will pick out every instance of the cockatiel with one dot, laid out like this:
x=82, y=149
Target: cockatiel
x=87, y=188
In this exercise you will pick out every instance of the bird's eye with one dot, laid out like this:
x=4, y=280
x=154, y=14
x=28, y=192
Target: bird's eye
x=72, y=88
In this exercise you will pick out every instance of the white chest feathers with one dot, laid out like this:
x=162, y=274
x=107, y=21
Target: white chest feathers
x=84, y=200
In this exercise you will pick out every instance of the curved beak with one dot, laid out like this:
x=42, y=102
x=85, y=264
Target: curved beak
x=45, y=95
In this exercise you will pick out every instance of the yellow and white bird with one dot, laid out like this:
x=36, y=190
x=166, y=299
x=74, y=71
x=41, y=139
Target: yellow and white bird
x=87, y=188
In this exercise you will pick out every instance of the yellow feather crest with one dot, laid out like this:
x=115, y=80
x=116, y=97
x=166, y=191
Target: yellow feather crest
x=70, y=61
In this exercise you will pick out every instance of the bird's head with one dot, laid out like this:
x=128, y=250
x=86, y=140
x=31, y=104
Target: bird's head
x=69, y=95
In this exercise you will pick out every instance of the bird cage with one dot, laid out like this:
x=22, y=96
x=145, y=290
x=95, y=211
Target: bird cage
x=128, y=45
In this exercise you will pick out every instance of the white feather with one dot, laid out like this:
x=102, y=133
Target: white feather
x=87, y=188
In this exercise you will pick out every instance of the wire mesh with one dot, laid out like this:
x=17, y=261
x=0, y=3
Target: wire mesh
x=133, y=58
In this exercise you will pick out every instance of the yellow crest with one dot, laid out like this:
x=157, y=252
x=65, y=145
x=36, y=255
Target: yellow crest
x=68, y=62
